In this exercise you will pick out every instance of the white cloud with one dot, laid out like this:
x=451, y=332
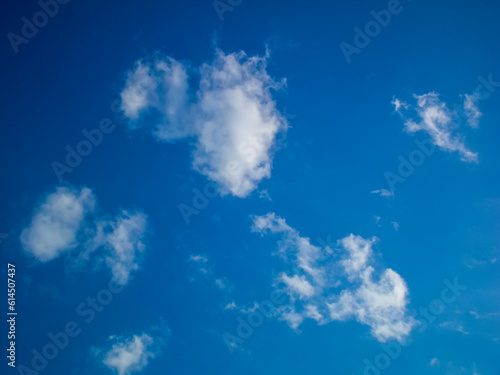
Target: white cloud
x=66, y=222
x=436, y=119
x=398, y=104
x=232, y=114
x=56, y=222
x=158, y=91
x=434, y=362
x=129, y=355
x=377, y=298
x=484, y=316
x=132, y=354
x=124, y=242
x=471, y=111
x=383, y=192
x=298, y=285
x=396, y=225
x=231, y=306
x=454, y=326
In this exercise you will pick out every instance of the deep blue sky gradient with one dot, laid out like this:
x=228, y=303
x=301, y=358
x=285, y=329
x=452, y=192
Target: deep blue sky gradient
x=344, y=135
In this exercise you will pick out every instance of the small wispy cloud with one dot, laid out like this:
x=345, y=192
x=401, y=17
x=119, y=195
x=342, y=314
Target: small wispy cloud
x=398, y=104
x=205, y=273
x=484, y=316
x=453, y=325
x=434, y=362
x=383, y=192
x=471, y=111
x=395, y=225
x=437, y=120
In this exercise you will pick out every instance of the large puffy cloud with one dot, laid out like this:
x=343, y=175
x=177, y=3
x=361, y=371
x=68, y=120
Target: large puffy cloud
x=328, y=284
x=438, y=121
x=231, y=114
x=66, y=222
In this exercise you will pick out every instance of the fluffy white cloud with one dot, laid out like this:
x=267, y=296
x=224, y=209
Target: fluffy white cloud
x=132, y=354
x=56, y=222
x=231, y=114
x=129, y=355
x=324, y=288
x=437, y=120
x=66, y=221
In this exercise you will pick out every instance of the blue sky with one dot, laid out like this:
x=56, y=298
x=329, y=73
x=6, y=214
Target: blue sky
x=252, y=187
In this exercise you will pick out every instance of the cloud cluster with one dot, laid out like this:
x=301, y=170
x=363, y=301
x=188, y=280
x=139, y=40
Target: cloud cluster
x=66, y=222
x=325, y=288
x=230, y=114
x=438, y=121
